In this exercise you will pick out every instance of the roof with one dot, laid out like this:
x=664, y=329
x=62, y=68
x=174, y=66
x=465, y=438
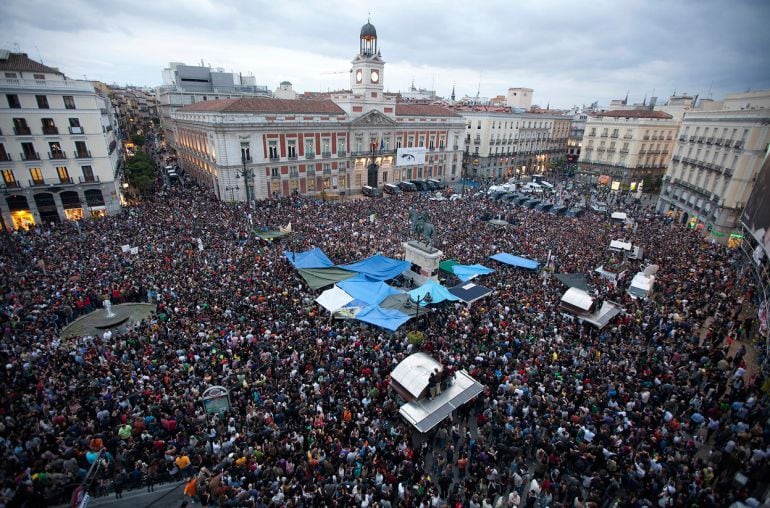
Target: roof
x=265, y=105
x=635, y=113
x=423, y=110
x=22, y=63
x=368, y=30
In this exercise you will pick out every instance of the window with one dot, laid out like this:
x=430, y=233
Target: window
x=42, y=101
x=55, y=151
x=13, y=100
x=309, y=146
x=74, y=122
x=275, y=172
x=325, y=147
x=37, y=176
x=63, y=174
x=245, y=151
x=432, y=142
x=9, y=178
x=49, y=127
x=29, y=152
x=20, y=127
x=10, y=75
x=410, y=143
x=88, y=174
x=341, y=146
x=39, y=76
x=291, y=149
x=3, y=154
x=81, y=150
x=69, y=102
x=272, y=149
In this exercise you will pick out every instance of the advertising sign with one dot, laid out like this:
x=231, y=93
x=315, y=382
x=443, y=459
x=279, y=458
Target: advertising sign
x=410, y=156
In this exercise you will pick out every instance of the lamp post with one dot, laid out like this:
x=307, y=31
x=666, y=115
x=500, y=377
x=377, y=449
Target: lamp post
x=232, y=191
x=247, y=175
x=424, y=298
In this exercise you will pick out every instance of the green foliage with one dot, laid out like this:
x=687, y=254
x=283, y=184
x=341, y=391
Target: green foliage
x=415, y=337
x=141, y=172
x=137, y=139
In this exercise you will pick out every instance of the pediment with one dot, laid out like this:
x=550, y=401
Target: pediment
x=373, y=118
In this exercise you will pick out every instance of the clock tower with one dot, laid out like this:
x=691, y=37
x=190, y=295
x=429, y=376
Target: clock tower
x=366, y=76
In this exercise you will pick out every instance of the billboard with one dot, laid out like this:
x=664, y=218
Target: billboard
x=756, y=215
x=410, y=156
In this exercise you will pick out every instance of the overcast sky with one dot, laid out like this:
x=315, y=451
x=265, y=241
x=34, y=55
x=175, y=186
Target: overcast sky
x=571, y=53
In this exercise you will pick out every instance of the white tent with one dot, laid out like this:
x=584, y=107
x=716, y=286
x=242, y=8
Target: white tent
x=578, y=299
x=333, y=299
x=619, y=245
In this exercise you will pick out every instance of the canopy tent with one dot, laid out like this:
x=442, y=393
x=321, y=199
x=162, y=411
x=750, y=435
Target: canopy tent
x=400, y=302
x=517, y=261
x=620, y=245
x=573, y=280
x=604, y=315
x=467, y=272
x=317, y=278
x=447, y=265
x=378, y=267
x=366, y=290
x=412, y=374
x=271, y=235
x=424, y=414
x=334, y=298
x=469, y=292
x=576, y=300
x=389, y=319
x=438, y=293
x=350, y=310
x=313, y=258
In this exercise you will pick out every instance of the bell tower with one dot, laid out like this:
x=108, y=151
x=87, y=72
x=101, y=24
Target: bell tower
x=366, y=77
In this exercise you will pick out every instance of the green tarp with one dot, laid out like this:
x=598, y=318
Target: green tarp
x=271, y=235
x=317, y=278
x=447, y=265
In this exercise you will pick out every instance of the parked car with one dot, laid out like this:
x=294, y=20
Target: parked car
x=430, y=184
x=439, y=184
x=391, y=188
x=407, y=186
x=372, y=192
x=420, y=185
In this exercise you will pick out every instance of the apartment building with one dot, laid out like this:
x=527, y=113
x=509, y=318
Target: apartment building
x=59, y=150
x=716, y=159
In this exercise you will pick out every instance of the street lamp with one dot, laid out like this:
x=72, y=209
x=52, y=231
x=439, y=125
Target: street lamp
x=247, y=175
x=232, y=191
x=424, y=298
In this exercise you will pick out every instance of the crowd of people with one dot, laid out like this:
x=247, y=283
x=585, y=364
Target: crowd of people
x=651, y=410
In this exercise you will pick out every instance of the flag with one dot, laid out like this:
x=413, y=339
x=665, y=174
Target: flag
x=382, y=144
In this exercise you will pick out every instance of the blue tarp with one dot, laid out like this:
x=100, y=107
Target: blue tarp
x=378, y=267
x=313, y=258
x=438, y=293
x=510, y=259
x=467, y=272
x=390, y=319
x=362, y=288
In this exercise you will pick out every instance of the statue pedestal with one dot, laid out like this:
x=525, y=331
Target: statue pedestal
x=426, y=260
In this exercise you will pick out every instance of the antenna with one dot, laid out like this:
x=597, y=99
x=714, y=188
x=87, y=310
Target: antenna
x=16, y=47
x=478, y=90
x=710, y=86
x=39, y=56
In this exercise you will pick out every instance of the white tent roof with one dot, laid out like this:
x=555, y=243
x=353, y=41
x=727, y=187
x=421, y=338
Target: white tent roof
x=333, y=299
x=425, y=413
x=620, y=245
x=413, y=372
x=578, y=298
x=619, y=216
x=604, y=315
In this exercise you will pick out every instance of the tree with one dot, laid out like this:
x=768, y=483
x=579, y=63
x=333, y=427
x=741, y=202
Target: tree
x=137, y=139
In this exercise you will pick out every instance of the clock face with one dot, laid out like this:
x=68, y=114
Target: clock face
x=375, y=76
x=358, y=76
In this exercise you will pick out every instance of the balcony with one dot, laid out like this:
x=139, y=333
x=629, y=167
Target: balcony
x=83, y=154
x=477, y=141
x=709, y=141
x=341, y=153
x=692, y=139
x=60, y=155
x=700, y=140
x=653, y=138
x=719, y=141
x=624, y=150
x=326, y=155
x=676, y=158
x=310, y=155
x=274, y=157
x=614, y=136
x=22, y=131
x=728, y=142
x=628, y=136
x=50, y=130
x=292, y=157
x=5, y=157
x=32, y=156
x=76, y=130
x=738, y=145
x=51, y=182
x=89, y=179
x=603, y=135
x=646, y=138
x=682, y=138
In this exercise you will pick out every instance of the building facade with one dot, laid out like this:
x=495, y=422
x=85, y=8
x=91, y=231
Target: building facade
x=628, y=145
x=520, y=98
x=718, y=155
x=501, y=145
x=255, y=148
x=59, y=149
x=576, y=131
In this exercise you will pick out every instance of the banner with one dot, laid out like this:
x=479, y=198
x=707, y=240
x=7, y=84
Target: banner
x=410, y=156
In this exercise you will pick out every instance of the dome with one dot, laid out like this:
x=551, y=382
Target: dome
x=368, y=30
x=285, y=83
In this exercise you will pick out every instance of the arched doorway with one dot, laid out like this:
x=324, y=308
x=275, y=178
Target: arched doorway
x=685, y=217
x=20, y=213
x=95, y=202
x=71, y=203
x=46, y=207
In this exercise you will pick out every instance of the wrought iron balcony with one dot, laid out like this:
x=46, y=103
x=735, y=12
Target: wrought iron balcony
x=310, y=155
x=50, y=130
x=76, y=130
x=57, y=155
x=31, y=156
x=83, y=154
x=22, y=131
x=326, y=154
x=5, y=157
x=274, y=158
x=89, y=179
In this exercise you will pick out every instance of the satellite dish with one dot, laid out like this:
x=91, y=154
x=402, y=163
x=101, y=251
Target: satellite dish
x=651, y=270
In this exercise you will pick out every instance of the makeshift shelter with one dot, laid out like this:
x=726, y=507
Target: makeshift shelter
x=573, y=280
x=410, y=377
x=424, y=414
x=620, y=246
x=447, y=265
x=400, y=302
x=438, y=293
x=517, y=261
x=389, y=319
x=333, y=299
x=269, y=236
x=468, y=272
x=469, y=292
x=604, y=315
x=317, y=278
x=378, y=267
x=362, y=288
x=577, y=301
x=313, y=258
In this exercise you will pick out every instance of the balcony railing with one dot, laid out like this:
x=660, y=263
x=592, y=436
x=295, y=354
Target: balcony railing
x=51, y=182
x=5, y=157
x=738, y=145
x=326, y=154
x=341, y=153
x=57, y=155
x=292, y=157
x=646, y=138
x=22, y=131
x=310, y=155
x=51, y=130
x=274, y=158
x=653, y=138
x=603, y=135
x=719, y=141
x=89, y=179
x=614, y=136
x=83, y=154
x=32, y=156
x=728, y=142
x=76, y=130
x=624, y=150
x=709, y=141
x=682, y=138
x=692, y=139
